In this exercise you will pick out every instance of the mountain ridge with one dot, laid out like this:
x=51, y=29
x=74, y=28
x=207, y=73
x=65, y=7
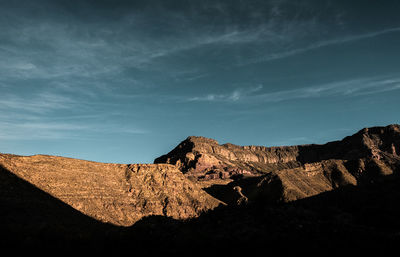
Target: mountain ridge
x=295, y=171
x=200, y=174
x=342, y=193
x=119, y=194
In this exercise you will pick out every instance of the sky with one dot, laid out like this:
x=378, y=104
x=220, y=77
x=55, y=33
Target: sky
x=126, y=81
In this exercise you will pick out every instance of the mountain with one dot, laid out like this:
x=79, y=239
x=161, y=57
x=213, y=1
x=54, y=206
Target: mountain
x=33, y=219
x=202, y=197
x=287, y=173
x=348, y=221
x=118, y=194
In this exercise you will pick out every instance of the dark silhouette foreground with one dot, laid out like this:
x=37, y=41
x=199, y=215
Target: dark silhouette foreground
x=349, y=220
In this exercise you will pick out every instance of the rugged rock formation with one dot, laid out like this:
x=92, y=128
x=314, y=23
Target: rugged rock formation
x=290, y=172
x=353, y=221
x=57, y=203
x=31, y=218
x=113, y=193
x=122, y=194
x=205, y=159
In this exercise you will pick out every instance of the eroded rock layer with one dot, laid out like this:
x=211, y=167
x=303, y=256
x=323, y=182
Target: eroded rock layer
x=114, y=193
x=290, y=172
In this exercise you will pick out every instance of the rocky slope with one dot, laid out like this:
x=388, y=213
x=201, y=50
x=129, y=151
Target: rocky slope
x=114, y=193
x=30, y=218
x=349, y=221
x=346, y=193
x=290, y=172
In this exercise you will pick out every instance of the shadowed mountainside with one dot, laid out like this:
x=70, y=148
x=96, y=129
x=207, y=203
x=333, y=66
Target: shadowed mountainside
x=329, y=199
x=348, y=220
x=290, y=172
x=199, y=156
x=29, y=217
x=115, y=193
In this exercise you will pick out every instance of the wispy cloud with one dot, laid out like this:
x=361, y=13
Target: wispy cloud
x=320, y=44
x=44, y=129
x=234, y=96
x=53, y=114
x=40, y=103
x=349, y=88
x=38, y=130
x=56, y=49
x=90, y=53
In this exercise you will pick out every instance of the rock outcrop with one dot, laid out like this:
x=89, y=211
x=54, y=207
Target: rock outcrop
x=200, y=174
x=290, y=172
x=340, y=194
x=205, y=159
x=113, y=193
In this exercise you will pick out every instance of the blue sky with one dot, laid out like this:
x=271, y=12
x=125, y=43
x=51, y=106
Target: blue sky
x=126, y=81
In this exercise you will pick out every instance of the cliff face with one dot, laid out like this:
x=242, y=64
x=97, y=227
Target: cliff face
x=122, y=194
x=291, y=172
x=205, y=158
x=113, y=193
x=46, y=199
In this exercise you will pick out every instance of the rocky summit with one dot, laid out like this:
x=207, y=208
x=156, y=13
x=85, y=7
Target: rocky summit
x=205, y=196
x=288, y=173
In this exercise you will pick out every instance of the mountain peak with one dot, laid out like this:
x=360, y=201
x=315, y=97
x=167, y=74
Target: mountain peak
x=201, y=139
x=204, y=158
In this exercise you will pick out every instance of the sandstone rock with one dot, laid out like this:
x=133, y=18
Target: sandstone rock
x=195, y=155
x=290, y=172
x=122, y=194
x=114, y=193
x=360, y=171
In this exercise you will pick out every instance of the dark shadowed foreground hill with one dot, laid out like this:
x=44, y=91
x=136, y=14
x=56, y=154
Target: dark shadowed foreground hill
x=340, y=198
x=347, y=221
